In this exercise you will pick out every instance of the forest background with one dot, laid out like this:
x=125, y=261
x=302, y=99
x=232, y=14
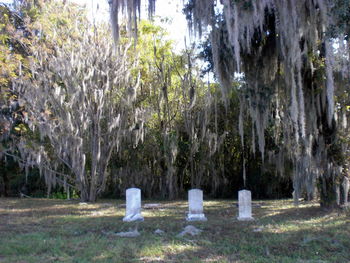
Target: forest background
x=85, y=118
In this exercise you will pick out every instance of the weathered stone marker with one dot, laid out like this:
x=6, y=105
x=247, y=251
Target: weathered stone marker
x=195, y=206
x=133, y=205
x=245, y=205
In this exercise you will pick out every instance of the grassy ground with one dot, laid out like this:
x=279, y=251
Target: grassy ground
x=40, y=230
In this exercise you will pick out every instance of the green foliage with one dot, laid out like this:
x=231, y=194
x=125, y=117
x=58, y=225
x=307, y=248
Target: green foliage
x=341, y=25
x=61, y=23
x=60, y=193
x=22, y=30
x=186, y=136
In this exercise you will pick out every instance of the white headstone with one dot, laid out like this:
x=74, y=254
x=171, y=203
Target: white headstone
x=195, y=206
x=133, y=205
x=245, y=205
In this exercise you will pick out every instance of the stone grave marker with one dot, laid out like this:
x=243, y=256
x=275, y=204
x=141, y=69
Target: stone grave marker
x=133, y=205
x=245, y=205
x=195, y=205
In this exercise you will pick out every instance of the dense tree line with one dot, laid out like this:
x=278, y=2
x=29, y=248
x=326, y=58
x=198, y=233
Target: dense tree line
x=91, y=117
x=294, y=73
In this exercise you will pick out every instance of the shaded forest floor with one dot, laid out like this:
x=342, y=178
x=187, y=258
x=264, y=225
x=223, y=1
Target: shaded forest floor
x=42, y=230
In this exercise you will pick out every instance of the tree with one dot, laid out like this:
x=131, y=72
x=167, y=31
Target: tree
x=288, y=65
x=181, y=139
x=79, y=99
x=167, y=94
x=285, y=50
x=14, y=51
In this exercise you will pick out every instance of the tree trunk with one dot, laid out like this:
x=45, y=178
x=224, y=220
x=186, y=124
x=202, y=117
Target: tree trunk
x=84, y=194
x=346, y=184
x=88, y=193
x=171, y=191
x=93, y=188
x=4, y=189
x=6, y=184
x=93, y=195
x=327, y=190
x=337, y=194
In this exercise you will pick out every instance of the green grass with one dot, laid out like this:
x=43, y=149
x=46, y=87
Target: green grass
x=41, y=230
